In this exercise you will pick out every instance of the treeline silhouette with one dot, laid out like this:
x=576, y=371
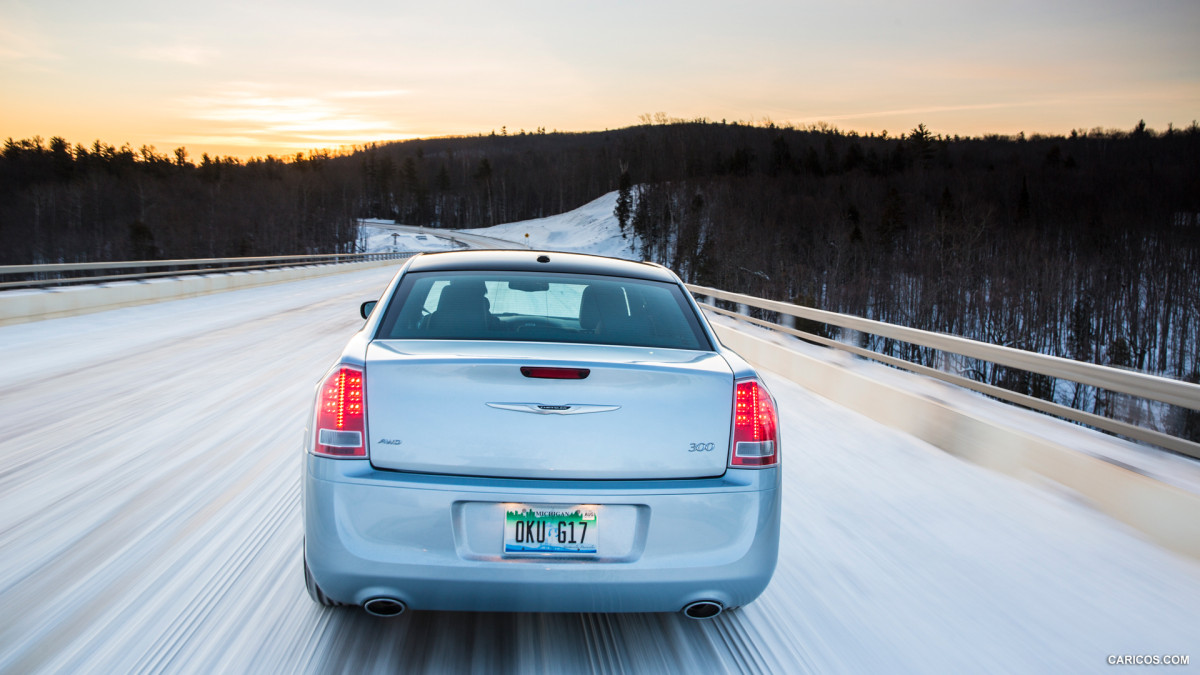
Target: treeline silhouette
x=60, y=203
x=1085, y=246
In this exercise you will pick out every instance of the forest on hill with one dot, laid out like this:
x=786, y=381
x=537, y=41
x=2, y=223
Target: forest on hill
x=1085, y=246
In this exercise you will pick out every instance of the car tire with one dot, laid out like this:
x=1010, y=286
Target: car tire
x=314, y=591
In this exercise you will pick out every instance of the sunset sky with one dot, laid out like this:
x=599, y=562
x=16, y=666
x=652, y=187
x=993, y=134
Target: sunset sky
x=270, y=77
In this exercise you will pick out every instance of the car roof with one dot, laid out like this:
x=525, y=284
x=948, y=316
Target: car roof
x=537, y=261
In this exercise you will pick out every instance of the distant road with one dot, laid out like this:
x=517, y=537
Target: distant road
x=472, y=240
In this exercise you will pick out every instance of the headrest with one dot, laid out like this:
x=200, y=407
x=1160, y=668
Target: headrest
x=464, y=291
x=601, y=302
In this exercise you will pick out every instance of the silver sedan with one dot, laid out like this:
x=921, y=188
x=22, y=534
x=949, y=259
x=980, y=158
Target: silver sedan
x=524, y=431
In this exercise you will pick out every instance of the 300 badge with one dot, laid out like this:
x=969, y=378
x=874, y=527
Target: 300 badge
x=701, y=447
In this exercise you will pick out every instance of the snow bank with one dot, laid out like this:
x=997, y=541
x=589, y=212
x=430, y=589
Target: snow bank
x=591, y=228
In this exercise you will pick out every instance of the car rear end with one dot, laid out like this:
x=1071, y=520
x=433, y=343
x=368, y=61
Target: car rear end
x=512, y=435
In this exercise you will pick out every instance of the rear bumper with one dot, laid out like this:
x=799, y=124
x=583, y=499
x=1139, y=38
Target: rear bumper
x=435, y=542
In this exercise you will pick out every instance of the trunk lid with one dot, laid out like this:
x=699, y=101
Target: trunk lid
x=465, y=408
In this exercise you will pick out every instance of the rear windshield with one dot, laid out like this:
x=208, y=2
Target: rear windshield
x=541, y=308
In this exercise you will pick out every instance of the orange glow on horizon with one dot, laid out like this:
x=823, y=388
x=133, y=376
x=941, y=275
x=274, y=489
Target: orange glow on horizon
x=246, y=80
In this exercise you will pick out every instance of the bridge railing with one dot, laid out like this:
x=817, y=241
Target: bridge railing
x=59, y=274
x=1142, y=385
x=1149, y=387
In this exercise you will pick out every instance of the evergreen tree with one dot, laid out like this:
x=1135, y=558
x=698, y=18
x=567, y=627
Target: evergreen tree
x=624, y=207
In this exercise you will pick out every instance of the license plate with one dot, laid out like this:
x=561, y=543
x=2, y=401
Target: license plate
x=532, y=529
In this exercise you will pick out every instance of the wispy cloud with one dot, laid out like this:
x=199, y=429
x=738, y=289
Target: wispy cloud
x=22, y=46
x=370, y=93
x=282, y=120
x=185, y=54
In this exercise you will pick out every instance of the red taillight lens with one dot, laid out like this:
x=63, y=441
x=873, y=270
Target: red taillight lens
x=755, y=426
x=546, y=373
x=340, y=414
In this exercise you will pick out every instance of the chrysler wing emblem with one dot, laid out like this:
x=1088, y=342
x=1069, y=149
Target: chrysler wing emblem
x=554, y=409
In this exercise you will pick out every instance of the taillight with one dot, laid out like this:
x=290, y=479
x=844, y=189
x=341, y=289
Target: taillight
x=755, y=426
x=340, y=414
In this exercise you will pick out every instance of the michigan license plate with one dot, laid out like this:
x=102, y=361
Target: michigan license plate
x=549, y=530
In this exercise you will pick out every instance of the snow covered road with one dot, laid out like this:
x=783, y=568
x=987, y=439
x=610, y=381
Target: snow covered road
x=149, y=521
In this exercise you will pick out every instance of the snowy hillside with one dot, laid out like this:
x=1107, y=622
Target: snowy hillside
x=591, y=228
x=377, y=236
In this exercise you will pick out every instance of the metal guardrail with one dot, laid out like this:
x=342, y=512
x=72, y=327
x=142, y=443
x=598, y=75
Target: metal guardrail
x=58, y=274
x=1151, y=387
x=1137, y=384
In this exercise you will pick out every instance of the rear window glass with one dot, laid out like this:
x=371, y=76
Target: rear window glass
x=541, y=308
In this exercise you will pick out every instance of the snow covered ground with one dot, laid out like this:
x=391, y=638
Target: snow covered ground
x=380, y=236
x=149, y=522
x=591, y=228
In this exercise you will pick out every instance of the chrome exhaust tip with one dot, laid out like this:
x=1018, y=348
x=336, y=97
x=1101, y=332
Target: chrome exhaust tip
x=703, y=609
x=384, y=607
